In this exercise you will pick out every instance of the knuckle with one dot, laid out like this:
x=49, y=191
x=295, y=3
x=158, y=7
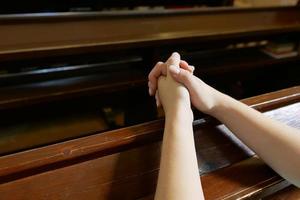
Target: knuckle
x=185, y=75
x=175, y=54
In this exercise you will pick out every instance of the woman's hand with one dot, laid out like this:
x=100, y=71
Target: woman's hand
x=160, y=69
x=178, y=139
x=171, y=94
x=203, y=97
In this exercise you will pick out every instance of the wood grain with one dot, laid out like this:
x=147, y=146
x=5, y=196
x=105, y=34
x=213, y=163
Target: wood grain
x=288, y=193
x=16, y=96
x=41, y=37
x=107, y=142
x=123, y=164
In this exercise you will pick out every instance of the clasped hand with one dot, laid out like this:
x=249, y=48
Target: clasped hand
x=174, y=84
x=171, y=94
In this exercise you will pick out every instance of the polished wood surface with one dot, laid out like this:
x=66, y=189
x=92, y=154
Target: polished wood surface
x=32, y=133
x=248, y=179
x=25, y=89
x=60, y=35
x=123, y=164
x=95, y=46
x=116, y=139
x=72, y=87
x=288, y=193
x=59, y=71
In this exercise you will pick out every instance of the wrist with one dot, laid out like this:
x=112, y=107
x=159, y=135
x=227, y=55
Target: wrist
x=222, y=104
x=180, y=111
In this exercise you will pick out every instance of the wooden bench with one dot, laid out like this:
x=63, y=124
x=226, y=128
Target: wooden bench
x=124, y=163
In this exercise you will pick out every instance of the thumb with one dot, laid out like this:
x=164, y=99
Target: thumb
x=180, y=75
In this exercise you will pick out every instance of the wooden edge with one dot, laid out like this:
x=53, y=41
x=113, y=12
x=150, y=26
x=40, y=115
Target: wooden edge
x=99, y=47
x=275, y=99
x=21, y=101
x=46, y=47
x=291, y=192
x=110, y=142
x=123, y=13
x=247, y=179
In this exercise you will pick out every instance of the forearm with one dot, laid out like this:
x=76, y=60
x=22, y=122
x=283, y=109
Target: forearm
x=179, y=176
x=276, y=143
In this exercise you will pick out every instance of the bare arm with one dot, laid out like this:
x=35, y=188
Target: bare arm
x=276, y=143
x=178, y=176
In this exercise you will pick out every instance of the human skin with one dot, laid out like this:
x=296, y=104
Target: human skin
x=178, y=176
x=274, y=142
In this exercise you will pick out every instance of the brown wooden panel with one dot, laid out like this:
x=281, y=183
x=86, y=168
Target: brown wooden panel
x=97, y=167
x=244, y=180
x=131, y=175
x=59, y=36
x=133, y=172
x=52, y=90
x=289, y=193
x=32, y=93
x=116, y=140
x=28, y=134
x=271, y=100
x=248, y=179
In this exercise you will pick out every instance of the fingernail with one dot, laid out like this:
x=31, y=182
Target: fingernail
x=193, y=68
x=174, y=69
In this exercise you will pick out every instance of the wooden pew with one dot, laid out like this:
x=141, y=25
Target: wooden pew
x=290, y=192
x=67, y=155
x=41, y=35
x=124, y=163
x=134, y=39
